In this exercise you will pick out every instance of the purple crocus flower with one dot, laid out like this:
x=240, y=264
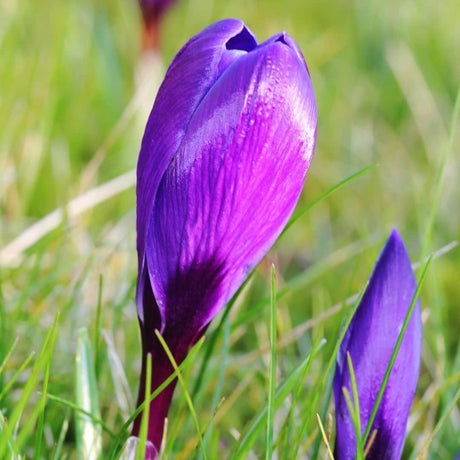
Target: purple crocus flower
x=370, y=340
x=222, y=164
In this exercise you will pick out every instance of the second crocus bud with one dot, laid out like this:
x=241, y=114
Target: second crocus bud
x=223, y=161
x=152, y=12
x=370, y=341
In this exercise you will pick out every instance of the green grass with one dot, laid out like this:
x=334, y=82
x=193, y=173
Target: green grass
x=386, y=80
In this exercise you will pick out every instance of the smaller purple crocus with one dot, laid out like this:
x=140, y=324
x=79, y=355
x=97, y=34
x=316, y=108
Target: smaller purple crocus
x=370, y=341
x=152, y=13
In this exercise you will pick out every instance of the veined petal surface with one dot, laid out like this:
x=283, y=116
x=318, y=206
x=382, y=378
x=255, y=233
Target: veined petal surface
x=370, y=340
x=230, y=189
x=190, y=76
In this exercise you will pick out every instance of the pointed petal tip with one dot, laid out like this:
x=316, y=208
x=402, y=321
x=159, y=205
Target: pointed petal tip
x=232, y=27
x=243, y=39
x=395, y=247
x=395, y=233
x=395, y=238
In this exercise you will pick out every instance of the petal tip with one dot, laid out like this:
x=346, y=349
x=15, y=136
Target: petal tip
x=244, y=40
x=395, y=237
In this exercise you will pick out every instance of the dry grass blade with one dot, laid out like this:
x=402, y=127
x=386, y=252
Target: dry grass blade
x=12, y=253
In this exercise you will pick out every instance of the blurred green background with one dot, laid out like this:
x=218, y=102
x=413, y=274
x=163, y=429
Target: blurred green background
x=386, y=76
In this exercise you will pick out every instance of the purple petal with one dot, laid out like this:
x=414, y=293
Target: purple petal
x=370, y=340
x=230, y=189
x=190, y=76
x=283, y=37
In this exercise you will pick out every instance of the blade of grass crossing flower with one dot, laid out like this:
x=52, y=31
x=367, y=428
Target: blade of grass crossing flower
x=88, y=433
x=323, y=434
x=272, y=374
x=163, y=439
x=355, y=394
x=123, y=434
x=180, y=426
x=325, y=194
x=369, y=443
x=439, y=179
x=184, y=389
x=251, y=433
x=356, y=423
x=396, y=349
x=356, y=414
x=140, y=452
x=30, y=387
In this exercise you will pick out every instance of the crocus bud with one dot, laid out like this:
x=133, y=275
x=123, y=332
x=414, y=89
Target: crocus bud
x=222, y=164
x=370, y=341
x=152, y=12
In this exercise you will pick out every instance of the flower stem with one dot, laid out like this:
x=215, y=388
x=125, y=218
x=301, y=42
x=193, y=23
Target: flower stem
x=159, y=406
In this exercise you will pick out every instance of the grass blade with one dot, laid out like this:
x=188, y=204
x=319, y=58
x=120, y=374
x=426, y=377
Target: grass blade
x=16, y=375
x=97, y=331
x=41, y=363
x=217, y=396
x=323, y=434
x=143, y=433
x=424, y=450
x=259, y=421
x=88, y=433
x=74, y=407
x=213, y=340
x=439, y=179
x=184, y=389
x=332, y=361
x=41, y=420
x=353, y=407
x=325, y=194
x=8, y=355
x=121, y=438
x=272, y=374
x=60, y=443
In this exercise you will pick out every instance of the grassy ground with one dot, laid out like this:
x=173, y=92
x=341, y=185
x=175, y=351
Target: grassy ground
x=386, y=76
